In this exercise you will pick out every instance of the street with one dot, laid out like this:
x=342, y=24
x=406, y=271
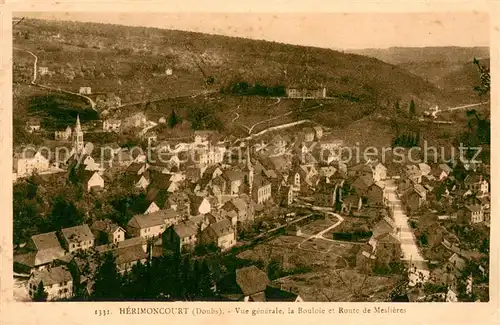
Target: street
x=411, y=253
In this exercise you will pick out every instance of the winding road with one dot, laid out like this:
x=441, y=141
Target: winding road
x=35, y=75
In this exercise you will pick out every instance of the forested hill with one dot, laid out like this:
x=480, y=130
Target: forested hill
x=132, y=61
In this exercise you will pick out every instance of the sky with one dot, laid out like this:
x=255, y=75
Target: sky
x=329, y=30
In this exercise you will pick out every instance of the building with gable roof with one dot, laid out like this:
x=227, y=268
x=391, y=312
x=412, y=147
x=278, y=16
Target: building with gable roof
x=106, y=231
x=77, y=238
x=39, y=253
x=57, y=282
x=220, y=233
x=152, y=225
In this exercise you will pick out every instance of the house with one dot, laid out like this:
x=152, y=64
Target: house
x=384, y=226
x=304, y=177
x=57, y=282
x=122, y=158
x=415, y=197
x=92, y=180
x=365, y=259
x=168, y=72
x=107, y=232
x=476, y=183
x=327, y=171
x=180, y=202
x=243, y=208
x=107, y=101
x=441, y=171
x=43, y=70
x=252, y=282
x=127, y=257
x=255, y=287
x=452, y=295
x=379, y=171
x=232, y=216
x=33, y=125
x=30, y=162
x=63, y=135
x=203, y=137
x=424, y=169
x=375, y=194
x=153, y=207
x=351, y=203
x=152, y=225
x=306, y=93
x=85, y=91
x=220, y=233
x=234, y=178
x=473, y=213
x=362, y=184
x=111, y=125
x=180, y=236
x=308, y=134
x=261, y=189
x=40, y=251
x=141, y=181
x=137, y=168
x=77, y=238
x=287, y=195
x=413, y=173
x=318, y=130
x=456, y=265
x=199, y=205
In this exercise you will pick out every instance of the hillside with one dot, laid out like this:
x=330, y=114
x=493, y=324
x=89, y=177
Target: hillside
x=403, y=55
x=448, y=68
x=131, y=62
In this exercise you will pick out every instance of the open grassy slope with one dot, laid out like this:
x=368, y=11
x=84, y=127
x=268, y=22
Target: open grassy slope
x=131, y=62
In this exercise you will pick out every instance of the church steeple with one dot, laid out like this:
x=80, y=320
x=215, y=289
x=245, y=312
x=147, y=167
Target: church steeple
x=78, y=127
x=249, y=170
x=77, y=137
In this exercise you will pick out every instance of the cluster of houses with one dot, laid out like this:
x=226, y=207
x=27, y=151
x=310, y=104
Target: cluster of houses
x=203, y=192
x=465, y=197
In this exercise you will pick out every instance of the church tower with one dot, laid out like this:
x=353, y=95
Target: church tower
x=249, y=171
x=77, y=137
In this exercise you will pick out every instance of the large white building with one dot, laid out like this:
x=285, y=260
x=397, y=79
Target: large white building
x=57, y=283
x=30, y=162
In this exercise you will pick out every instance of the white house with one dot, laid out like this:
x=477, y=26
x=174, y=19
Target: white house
x=111, y=125
x=30, y=162
x=57, y=282
x=43, y=70
x=77, y=238
x=93, y=180
x=153, y=207
x=85, y=91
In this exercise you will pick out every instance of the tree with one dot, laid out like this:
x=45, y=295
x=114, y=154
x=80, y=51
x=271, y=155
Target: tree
x=173, y=120
x=412, y=108
x=40, y=294
x=205, y=281
x=108, y=282
x=64, y=214
x=484, y=87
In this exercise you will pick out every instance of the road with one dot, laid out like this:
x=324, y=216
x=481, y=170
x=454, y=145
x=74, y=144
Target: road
x=147, y=128
x=320, y=234
x=450, y=109
x=33, y=82
x=411, y=253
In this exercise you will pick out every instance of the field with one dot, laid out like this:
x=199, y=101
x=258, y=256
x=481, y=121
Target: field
x=325, y=276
